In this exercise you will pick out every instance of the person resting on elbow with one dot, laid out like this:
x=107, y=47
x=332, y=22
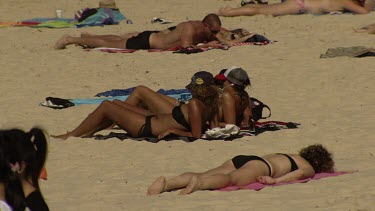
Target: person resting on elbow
x=187, y=120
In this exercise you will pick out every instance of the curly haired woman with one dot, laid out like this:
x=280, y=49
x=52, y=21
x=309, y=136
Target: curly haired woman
x=187, y=120
x=245, y=169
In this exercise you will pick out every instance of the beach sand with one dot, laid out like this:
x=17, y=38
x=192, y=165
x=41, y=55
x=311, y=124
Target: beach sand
x=331, y=98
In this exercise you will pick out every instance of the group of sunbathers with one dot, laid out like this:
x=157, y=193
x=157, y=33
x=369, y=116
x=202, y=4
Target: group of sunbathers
x=216, y=102
x=209, y=33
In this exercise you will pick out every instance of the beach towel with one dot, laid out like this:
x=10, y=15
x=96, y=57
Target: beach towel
x=231, y=132
x=103, y=16
x=182, y=95
x=258, y=186
x=254, y=40
x=355, y=52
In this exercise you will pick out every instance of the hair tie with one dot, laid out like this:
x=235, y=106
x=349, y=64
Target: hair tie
x=15, y=168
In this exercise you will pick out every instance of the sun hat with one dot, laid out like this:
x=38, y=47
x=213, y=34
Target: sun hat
x=234, y=74
x=111, y=4
x=201, y=78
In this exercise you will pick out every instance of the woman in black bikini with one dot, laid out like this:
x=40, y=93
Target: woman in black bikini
x=186, y=120
x=243, y=170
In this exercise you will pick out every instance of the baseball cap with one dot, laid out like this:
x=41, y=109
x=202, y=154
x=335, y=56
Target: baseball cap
x=201, y=78
x=234, y=74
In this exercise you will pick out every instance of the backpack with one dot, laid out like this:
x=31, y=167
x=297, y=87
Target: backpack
x=257, y=110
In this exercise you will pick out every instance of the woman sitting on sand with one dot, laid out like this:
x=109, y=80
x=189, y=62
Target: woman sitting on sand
x=186, y=120
x=25, y=155
x=243, y=170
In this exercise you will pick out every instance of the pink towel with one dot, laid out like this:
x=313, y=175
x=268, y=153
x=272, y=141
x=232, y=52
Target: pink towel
x=259, y=186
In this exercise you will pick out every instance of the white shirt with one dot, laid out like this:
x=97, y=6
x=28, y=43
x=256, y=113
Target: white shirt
x=4, y=206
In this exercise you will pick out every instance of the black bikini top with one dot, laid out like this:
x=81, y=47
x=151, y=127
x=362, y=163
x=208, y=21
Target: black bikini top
x=179, y=117
x=292, y=163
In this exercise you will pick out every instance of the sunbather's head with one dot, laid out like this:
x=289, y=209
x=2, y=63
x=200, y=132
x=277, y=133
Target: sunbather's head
x=201, y=78
x=214, y=22
x=318, y=157
x=209, y=95
x=235, y=75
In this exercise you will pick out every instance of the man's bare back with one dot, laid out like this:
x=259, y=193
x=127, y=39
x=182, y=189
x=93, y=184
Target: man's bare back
x=185, y=34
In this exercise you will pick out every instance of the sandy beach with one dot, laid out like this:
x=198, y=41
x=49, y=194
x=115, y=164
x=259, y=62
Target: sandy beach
x=330, y=97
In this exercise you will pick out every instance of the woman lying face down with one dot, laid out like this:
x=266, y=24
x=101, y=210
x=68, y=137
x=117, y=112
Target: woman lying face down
x=187, y=120
x=246, y=169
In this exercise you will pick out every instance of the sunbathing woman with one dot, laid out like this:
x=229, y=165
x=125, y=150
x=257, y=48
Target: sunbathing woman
x=235, y=106
x=243, y=170
x=186, y=120
x=148, y=102
x=26, y=155
x=290, y=7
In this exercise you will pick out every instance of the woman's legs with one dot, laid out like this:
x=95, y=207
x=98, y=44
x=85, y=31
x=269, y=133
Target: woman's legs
x=108, y=112
x=155, y=102
x=161, y=185
x=285, y=8
x=240, y=177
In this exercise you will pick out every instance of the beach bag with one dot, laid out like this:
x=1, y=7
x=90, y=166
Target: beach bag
x=257, y=110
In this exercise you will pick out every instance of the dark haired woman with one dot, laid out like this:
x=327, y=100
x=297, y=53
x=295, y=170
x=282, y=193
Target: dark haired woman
x=186, y=120
x=5, y=173
x=25, y=153
x=243, y=170
x=235, y=102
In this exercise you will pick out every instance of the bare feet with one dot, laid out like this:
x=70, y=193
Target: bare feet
x=62, y=136
x=157, y=186
x=191, y=187
x=62, y=42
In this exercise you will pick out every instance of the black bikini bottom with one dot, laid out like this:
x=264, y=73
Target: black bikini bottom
x=241, y=160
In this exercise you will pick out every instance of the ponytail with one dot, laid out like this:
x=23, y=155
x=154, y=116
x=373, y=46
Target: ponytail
x=38, y=139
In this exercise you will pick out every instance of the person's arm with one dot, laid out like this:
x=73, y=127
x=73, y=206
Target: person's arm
x=215, y=121
x=195, y=119
x=229, y=108
x=226, y=41
x=247, y=117
x=175, y=131
x=301, y=173
x=355, y=8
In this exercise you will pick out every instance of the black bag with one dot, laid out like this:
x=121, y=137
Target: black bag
x=257, y=110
